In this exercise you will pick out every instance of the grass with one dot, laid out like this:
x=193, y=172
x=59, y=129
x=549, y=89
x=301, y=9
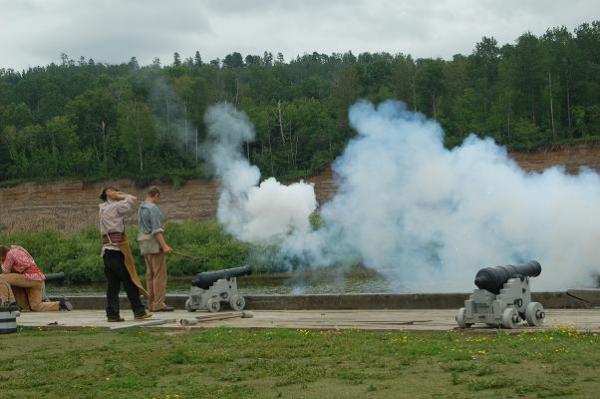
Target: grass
x=225, y=363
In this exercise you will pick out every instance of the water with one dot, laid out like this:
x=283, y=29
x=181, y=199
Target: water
x=284, y=284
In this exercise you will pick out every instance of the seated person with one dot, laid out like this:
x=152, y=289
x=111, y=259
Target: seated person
x=26, y=280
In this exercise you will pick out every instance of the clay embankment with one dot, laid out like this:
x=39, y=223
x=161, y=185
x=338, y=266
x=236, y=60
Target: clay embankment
x=571, y=157
x=72, y=206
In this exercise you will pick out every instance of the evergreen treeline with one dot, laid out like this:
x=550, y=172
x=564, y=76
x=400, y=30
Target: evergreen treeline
x=92, y=120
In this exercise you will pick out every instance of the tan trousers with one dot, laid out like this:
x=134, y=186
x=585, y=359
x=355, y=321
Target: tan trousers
x=6, y=294
x=156, y=280
x=28, y=293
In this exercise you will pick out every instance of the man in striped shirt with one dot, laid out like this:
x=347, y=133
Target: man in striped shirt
x=119, y=266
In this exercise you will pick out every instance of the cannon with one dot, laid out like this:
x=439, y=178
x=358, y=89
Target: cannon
x=55, y=277
x=210, y=289
x=503, y=298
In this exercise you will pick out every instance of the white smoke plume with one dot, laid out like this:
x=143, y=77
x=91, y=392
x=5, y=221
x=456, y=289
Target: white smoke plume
x=431, y=217
x=427, y=217
x=252, y=212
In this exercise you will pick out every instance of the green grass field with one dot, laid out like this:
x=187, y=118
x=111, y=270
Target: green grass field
x=224, y=363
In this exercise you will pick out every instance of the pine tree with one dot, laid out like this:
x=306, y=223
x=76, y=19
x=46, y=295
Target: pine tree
x=197, y=59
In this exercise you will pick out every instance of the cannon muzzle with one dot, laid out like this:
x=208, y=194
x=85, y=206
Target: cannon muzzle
x=205, y=279
x=55, y=277
x=492, y=279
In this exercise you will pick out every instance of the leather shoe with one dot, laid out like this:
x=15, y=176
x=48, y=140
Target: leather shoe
x=64, y=304
x=166, y=309
x=143, y=316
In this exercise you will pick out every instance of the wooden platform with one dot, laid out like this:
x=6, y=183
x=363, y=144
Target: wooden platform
x=376, y=320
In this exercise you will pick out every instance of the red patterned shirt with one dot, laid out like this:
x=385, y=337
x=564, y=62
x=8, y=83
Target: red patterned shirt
x=18, y=260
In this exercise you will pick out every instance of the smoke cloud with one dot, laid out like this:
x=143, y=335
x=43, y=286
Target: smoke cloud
x=174, y=122
x=255, y=213
x=424, y=216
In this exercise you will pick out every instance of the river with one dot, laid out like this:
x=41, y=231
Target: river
x=283, y=284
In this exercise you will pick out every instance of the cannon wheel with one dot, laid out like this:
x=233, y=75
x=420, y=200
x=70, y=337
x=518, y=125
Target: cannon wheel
x=510, y=317
x=237, y=302
x=535, y=314
x=214, y=305
x=188, y=305
x=460, y=319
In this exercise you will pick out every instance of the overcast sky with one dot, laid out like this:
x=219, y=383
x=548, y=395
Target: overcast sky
x=36, y=32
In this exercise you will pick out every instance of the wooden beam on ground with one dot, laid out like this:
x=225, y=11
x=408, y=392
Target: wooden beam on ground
x=148, y=323
x=215, y=316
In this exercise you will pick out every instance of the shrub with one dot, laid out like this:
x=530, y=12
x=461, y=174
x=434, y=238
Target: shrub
x=78, y=255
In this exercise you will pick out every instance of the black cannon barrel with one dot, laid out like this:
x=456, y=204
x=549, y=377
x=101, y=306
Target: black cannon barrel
x=493, y=278
x=205, y=279
x=55, y=277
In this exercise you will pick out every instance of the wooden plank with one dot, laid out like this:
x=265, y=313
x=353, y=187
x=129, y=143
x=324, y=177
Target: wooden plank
x=144, y=324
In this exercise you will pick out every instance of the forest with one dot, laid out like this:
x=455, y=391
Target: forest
x=82, y=119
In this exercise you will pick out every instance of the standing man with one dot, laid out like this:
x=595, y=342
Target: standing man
x=119, y=266
x=26, y=281
x=154, y=249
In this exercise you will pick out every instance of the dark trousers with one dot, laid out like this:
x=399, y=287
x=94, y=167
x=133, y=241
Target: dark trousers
x=116, y=273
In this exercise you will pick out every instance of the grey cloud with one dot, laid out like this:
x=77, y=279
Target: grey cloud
x=36, y=32
x=111, y=31
x=281, y=7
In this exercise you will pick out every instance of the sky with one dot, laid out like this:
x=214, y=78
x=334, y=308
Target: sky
x=36, y=32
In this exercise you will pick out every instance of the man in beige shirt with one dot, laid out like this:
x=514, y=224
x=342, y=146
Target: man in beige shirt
x=154, y=249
